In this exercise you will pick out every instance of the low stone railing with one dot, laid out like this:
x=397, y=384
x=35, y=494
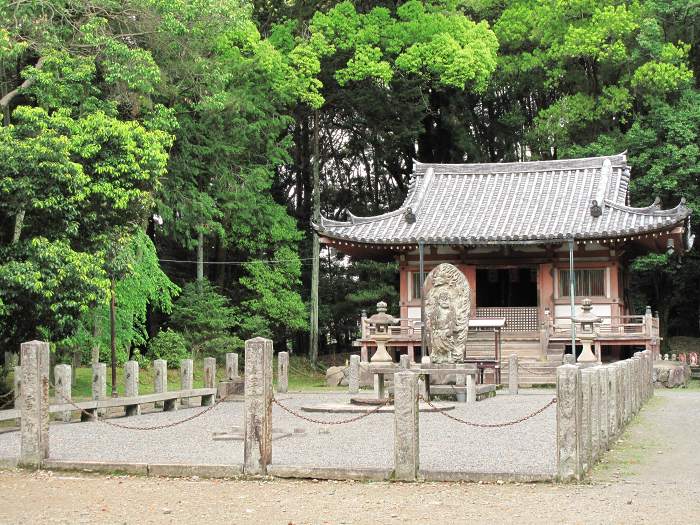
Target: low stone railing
x=594, y=404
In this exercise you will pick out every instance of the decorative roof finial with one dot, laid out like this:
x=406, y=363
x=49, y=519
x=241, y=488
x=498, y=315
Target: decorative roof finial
x=596, y=210
x=409, y=216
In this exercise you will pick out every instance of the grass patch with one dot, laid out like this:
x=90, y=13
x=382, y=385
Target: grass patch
x=694, y=384
x=628, y=451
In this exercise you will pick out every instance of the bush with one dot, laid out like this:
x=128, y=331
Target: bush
x=169, y=345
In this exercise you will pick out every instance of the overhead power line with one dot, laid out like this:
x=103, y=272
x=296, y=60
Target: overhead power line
x=239, y=263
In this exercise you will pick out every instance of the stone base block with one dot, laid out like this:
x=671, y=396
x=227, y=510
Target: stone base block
x=671, y=374
x=232, y=387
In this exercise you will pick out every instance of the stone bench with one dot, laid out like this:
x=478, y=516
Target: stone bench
x=482, y=391
x=169, y=400
x=467, y=375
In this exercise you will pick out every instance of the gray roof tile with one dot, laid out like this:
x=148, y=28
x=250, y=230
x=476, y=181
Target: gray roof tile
x=510, y=203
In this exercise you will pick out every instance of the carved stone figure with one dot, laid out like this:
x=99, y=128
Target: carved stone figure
x=693, y=359
x=447, y=306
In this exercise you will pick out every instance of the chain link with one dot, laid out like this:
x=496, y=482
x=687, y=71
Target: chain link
x=341, y=422
x=95, y=417
x=488, y=425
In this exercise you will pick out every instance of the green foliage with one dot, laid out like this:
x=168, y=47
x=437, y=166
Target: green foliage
x=45, y=287
x=205, y=319
x=142, y=285
x=169, y=345
x=440, y=46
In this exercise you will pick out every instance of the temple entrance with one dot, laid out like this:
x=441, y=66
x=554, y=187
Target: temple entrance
x=506, y=287
x=508, y=293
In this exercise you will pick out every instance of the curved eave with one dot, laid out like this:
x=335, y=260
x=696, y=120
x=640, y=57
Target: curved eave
x=613, y=236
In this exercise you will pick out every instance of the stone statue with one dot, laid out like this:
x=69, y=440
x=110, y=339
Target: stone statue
x=447, y=307
x=693, y=359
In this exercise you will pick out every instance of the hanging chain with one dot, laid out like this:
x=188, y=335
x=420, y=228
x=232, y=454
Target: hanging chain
x=341, y=422
x=489, y=425
x=95, y=417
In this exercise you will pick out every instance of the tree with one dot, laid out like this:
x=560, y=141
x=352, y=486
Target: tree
x=205, y=319
x=82, y=152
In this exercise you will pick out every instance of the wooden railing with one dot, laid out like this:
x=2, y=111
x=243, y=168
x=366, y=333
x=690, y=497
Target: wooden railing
x=623, y=325
x=518, y=319
x=410, y=328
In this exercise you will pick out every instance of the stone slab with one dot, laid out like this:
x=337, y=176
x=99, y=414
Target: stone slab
x=177, y=470
x=140, y=469
x=340, y=474
x=484, y=477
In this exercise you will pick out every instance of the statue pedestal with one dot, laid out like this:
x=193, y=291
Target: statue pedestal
x=381, y=356
x=587, y=355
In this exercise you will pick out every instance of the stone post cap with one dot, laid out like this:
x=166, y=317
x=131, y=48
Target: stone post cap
x=258, y=340
x=35, y=342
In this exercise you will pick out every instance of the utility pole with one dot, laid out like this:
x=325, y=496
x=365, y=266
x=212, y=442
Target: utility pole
x=113, y=334
x=316, y=214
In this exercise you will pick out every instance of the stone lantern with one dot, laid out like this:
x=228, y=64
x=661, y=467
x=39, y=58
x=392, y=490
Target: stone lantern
x=381, y=322
x=587, y=332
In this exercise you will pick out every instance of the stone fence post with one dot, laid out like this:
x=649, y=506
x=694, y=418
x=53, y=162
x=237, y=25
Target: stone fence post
x=160, y=379
x=282, y=372
x=627, y=370
x=99, y=384
x=620, y=398
x=603, y=414
x=63, y=383
x=586, y=434
x=513, y=374
x=257, y=412
x=569, y=408
x=611, y=375
x=406, y=446
x=34, y=438
x=209, y=379
x=354, y=375
x=231, y=366
x=186, y=379
x=595, y=414
x=461, y=381
x=131, y=376
x=470, y=380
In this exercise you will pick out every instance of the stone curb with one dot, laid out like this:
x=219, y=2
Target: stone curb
x=341, y=474
x=485, y=477
x=171, y=470
x=140, y=469
x=174, y=470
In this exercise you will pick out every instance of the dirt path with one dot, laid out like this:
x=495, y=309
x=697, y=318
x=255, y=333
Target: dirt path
x=652, y=476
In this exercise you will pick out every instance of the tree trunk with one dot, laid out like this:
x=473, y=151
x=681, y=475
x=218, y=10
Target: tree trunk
x=96, y=333
x=313, y=339
x=19, y=223
x=200, y=256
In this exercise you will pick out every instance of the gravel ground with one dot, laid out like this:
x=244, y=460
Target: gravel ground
x=528, y=447
x=649, y=477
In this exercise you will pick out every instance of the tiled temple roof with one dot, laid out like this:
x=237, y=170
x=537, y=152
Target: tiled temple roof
x=510, y=203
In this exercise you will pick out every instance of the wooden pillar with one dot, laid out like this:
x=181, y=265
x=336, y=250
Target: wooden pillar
x=469, y=271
